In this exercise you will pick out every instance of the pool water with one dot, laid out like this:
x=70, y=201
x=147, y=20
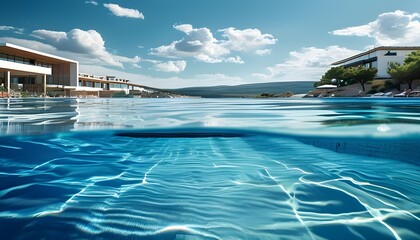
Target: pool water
x=209, y=169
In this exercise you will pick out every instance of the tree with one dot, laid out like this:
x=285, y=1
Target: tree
x=361, y=74
x=399, y=73
x=333, y=73
x=408, y=71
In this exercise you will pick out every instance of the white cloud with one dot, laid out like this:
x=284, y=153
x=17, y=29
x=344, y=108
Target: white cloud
x=308, y=64
x=392, y=28
x=35, y=45
x=50, y=36
x=246, y=40
x=14, y=29
x=123, y=12
x=186, y=28
x=47, y=48
x=236, y=59
x=6, y=28
x=78, y=41
x=208, y=59
x=87, y=47
x=170, y=66
x=92, y=2
x=135, y=65
x=360, y=31
x=199, y=43
x=263, y=52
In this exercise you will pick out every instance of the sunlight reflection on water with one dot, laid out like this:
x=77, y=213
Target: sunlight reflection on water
x=350, y=117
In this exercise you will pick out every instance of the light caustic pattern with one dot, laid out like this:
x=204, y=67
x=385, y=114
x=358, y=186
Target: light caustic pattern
x=101, y=186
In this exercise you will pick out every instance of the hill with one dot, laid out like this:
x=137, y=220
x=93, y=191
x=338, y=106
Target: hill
x=247, y=90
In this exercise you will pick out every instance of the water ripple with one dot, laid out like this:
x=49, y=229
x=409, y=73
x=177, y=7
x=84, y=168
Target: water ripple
x=266, y=182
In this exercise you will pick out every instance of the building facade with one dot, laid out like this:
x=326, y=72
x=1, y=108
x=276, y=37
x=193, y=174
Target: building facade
x=24, y=69
x=379, y=58
x=106, y=85
x=38, y=73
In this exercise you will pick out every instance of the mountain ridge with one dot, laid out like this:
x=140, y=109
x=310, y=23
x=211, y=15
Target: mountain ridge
x=247, y=90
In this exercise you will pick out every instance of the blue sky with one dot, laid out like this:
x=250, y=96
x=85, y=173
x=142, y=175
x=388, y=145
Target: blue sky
x=179, y=43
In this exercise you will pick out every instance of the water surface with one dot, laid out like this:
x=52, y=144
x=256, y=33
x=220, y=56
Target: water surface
x=209, y=169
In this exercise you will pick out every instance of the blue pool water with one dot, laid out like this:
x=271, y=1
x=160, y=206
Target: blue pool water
x=209, y=169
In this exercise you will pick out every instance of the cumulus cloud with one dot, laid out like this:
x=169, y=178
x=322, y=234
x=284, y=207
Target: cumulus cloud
x=76, y=40
x=263, y=52
x=123, y=12
x=236, y=59
x=92, y=2
x=208, y=59
x=199, y=43
x=170, y=66
x=308, y=64
x=89, y=43
x=246, y=40
x=50, y=36
x=14, y=29
x=392, y=28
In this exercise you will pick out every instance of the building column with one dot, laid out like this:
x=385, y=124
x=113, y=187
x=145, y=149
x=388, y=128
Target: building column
x=45, y=85
x=8, y=82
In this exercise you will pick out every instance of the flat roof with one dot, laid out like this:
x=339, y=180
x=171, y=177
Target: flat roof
x=12, y=49
x=385, y=48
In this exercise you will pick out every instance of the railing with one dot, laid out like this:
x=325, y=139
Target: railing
x=27, y=61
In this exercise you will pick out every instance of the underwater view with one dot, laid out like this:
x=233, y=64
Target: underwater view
x=209, y=168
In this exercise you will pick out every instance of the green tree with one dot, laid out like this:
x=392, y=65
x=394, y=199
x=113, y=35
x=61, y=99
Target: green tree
x=408, y=71
x=333, y=73
x=399, y=73
x=361, y=74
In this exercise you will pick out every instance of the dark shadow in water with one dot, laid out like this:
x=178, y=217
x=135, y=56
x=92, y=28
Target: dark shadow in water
x=70, y=228
x=179, y=134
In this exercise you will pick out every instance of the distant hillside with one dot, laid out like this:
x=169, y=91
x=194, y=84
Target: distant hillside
x=247, y=90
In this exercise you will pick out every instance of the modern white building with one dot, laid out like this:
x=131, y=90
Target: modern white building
x=379, y=58
x=29, y=70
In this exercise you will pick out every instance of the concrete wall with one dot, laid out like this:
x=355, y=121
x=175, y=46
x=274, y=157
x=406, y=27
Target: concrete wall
x=384, y=61
x=74, y=74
